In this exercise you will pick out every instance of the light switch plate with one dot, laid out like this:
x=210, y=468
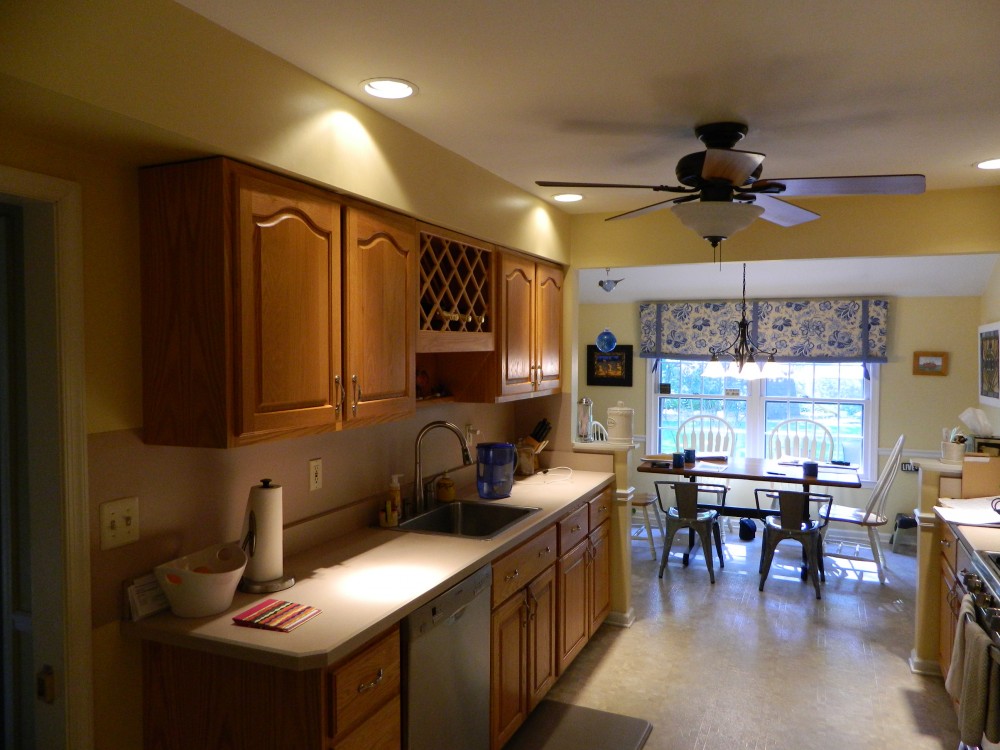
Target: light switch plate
x=119, y=522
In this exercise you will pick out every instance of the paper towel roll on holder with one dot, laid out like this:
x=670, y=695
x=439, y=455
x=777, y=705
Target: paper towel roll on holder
x=250, y=544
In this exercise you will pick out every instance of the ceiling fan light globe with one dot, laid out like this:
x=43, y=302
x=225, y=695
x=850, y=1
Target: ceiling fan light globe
x=716, y=220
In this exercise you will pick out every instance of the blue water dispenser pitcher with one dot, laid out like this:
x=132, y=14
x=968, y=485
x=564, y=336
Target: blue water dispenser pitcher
x=495, y=469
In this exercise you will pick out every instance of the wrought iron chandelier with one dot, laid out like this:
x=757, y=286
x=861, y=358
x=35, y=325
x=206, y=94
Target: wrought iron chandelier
x=742, y=349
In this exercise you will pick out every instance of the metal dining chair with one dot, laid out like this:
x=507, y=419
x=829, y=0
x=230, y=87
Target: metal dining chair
x=795, y=521
x=683, y=513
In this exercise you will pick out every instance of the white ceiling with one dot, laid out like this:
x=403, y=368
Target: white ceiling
x=611, y=91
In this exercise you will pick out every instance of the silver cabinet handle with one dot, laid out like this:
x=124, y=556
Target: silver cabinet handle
x=364, y=687
x=357, y=394
x=343, y=393
x=511, y=576
x=544, y=552
x=575, y=529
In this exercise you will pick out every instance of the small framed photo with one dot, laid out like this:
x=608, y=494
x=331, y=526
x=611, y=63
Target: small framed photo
x=930, y=363
x=610, y=368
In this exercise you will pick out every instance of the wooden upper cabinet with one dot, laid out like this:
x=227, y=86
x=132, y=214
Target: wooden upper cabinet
x=548, y=327
x=531, y=299
x=289, y=307
x=380, y=314
x=517, y=360
x=240, y=304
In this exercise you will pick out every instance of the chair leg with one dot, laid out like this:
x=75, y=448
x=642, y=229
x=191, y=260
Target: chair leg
x=877, y=555
x=717, y=531
x=706, y=546
x=810, y=545
x=766, y=556
x=687, y=555
x=668, y=542
x=649, y=531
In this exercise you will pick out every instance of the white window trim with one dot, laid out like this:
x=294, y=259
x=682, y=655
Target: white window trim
x=754, y=443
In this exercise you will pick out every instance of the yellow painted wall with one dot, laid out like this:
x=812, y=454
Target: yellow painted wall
x=913, y=405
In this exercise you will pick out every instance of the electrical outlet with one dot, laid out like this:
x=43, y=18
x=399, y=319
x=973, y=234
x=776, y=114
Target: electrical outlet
x=119, y=522
x=315, y=474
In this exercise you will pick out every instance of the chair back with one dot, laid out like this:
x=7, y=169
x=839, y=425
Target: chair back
x=687, y=495
x=706, y=434
x=793, y=505
x=802, y=438
x=876, y=504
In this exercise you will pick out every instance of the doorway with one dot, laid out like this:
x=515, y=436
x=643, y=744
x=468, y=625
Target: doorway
x=46, y=567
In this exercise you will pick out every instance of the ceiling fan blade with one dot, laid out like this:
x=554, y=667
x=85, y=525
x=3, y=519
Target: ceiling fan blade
x=734, y=167
x=647, y=209
x=659, y=188
x=781, y=213
x=877, y=184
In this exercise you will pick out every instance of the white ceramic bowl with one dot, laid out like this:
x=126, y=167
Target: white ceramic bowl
x=202, y=583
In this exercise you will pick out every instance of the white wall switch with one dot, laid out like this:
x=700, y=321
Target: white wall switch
x=119, y=522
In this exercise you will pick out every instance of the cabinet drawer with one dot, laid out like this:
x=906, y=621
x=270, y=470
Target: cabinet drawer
x=949, y=546
x=515, y=570
x=600, y=508
x=360, y=686
x=382, y=731
x=573, y=529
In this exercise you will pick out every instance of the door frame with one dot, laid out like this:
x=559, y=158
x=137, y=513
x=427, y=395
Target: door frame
x=61, y=242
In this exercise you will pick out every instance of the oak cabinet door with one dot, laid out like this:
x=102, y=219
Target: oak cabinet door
x=289, y=307
x=600, y=577
x=548, y=327
x=380, y=315
x=542, y=609
x=574, y=605
x=508, y=670
x=517, y=360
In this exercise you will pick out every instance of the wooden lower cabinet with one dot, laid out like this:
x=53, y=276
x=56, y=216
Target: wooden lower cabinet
x=584, y=593
x=194, y=700
x=523, y=663
x=954, y=562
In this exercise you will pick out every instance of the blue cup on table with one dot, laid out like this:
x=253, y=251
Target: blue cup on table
x=678, y=461
x=690, y=456
x=810, y=469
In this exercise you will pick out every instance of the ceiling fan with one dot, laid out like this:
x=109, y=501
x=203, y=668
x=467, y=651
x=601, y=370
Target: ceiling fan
x=721, y=191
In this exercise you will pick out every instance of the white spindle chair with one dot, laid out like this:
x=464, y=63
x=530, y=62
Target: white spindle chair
x=706, y=434
x=801, y=438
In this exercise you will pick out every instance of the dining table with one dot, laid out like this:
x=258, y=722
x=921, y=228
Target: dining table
x=784, y=470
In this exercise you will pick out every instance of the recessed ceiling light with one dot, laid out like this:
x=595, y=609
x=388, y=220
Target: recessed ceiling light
x=567, y=197
x=990, y=164
x=389, y=88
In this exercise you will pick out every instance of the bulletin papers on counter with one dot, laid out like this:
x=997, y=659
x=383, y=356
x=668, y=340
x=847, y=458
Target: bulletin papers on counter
x=972, y=511
x=276, y=614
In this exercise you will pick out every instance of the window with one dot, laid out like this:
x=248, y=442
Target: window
x=836, y=395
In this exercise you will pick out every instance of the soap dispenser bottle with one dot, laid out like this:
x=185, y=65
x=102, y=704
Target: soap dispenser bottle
x=394, y=505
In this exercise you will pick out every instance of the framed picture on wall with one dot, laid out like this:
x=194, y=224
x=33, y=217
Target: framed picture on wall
x=930, y=363
x=989, y=364
x=610, y=368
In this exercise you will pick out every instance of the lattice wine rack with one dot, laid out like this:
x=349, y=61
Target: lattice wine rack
x=454, y=286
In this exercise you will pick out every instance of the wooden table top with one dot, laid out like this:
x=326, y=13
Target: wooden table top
x=757, y=469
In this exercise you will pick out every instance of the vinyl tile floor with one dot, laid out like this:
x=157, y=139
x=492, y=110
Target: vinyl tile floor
x=727, y=667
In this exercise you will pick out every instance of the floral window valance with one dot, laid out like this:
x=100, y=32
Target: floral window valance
x=830, y=330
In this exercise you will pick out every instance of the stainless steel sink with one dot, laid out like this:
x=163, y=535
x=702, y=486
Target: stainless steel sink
x=468, y=519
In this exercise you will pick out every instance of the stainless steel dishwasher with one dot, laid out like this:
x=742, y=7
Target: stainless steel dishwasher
x=448, y=668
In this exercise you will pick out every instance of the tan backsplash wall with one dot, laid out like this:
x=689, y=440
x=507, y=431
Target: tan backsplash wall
x=190, y=498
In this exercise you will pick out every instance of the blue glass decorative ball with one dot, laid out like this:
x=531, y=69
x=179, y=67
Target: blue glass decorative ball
x=606, y=341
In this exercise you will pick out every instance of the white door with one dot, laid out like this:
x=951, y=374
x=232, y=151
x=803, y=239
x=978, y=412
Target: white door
x=44, y=565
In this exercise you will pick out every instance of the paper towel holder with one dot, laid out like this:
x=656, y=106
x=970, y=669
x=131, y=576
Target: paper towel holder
x=249, y=545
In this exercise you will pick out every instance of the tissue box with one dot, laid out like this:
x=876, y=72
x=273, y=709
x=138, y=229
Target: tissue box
x=202, y=583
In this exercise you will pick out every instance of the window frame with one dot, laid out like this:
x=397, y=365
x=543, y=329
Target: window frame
x=755, y=438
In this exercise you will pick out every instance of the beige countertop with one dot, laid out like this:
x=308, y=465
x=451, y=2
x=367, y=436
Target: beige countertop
x=366, y=582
